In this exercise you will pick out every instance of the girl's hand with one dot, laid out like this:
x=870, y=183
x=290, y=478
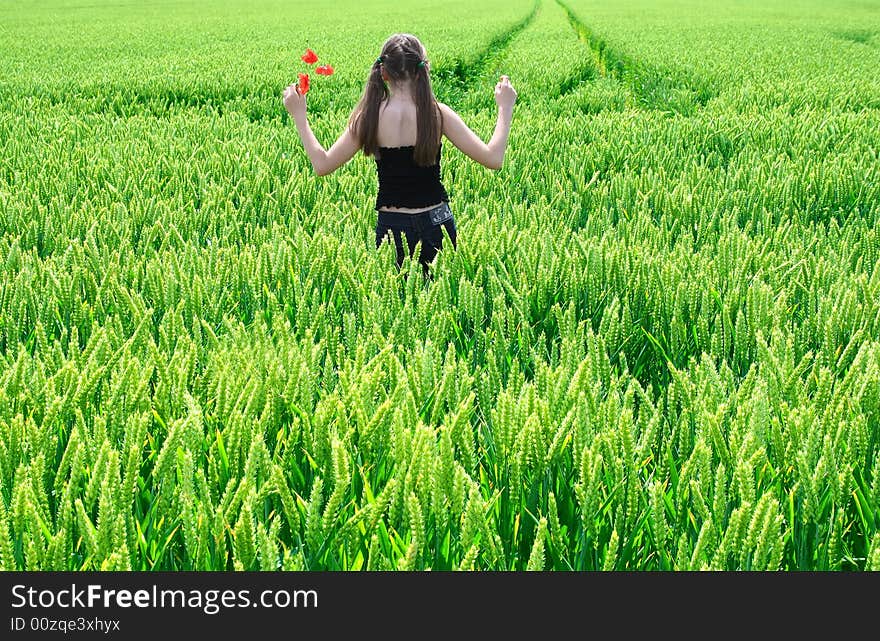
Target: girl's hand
x=505, y=94
x=294, y=102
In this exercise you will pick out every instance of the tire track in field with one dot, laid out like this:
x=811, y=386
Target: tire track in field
x=857, y=36
x=258, y=105
x=454, y=81
x=652, y=88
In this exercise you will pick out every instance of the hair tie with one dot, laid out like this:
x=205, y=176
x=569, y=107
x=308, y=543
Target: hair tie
x=379, y=60
x=421, y=63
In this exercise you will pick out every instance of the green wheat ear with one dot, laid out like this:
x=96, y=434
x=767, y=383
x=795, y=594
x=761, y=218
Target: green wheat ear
x=536, y=557
x=243, y=536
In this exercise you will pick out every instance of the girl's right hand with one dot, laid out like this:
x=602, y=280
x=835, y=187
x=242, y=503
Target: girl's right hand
x=505, y=94
x=294, y=101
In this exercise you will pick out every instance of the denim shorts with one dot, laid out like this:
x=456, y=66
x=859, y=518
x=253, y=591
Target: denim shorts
x=424, y=227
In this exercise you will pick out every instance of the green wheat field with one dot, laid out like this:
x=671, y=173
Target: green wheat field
x=657, y=346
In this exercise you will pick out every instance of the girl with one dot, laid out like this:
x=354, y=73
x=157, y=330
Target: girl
x=399, y=122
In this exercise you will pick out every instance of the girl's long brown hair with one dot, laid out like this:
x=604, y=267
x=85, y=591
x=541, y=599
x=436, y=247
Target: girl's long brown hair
x=401, y=55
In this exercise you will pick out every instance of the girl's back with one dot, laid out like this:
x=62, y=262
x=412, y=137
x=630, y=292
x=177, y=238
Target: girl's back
x=397, y=122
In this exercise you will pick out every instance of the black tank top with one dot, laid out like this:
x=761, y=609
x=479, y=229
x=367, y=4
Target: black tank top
x=402, y=183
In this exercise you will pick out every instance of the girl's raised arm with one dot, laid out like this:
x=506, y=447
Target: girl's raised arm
x=489, y=154
x=323, y=161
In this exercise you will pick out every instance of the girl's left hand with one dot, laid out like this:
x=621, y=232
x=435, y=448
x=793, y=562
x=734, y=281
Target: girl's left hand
x=294, y=102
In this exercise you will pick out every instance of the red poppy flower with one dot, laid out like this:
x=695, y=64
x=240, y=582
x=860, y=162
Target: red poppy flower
x=324, y=70
x=303, y=85
x=309, y=57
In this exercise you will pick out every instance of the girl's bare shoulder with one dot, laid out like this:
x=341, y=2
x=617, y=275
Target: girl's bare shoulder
x=448, y=113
